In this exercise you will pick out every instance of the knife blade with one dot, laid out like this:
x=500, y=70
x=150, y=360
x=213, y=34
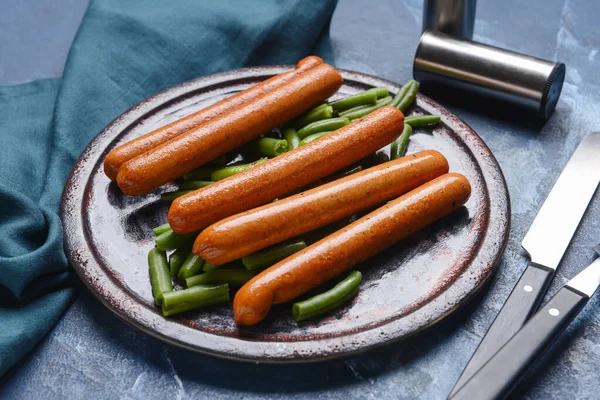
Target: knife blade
x=545, y=242
x=498, y=377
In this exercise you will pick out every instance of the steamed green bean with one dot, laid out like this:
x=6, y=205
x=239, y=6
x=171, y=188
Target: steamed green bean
x=161, y=229
x=399, y=145
x=422, y=120
x=191, y=266
x=178, y=257
x=329, y=300
x=314, y=137
x=324, y=111
x=208, y=267
x=266, y=257
x=170, y=240
x=160, y=280
x=409, y=96
x=195, y=297
x=199, y=174
x=269, y=147
x=359, y=112
x=321, y=126
x=226, y=172
x=359, y=99
x=292, y=138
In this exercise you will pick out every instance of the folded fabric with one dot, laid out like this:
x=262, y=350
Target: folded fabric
x=124, y=52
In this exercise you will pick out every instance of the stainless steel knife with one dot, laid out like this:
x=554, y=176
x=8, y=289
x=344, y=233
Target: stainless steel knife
x=496, y=379
x=545, y=242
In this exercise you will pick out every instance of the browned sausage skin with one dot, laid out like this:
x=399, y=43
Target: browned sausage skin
x=286, y=173
x=200, y=145
x=342, y=250
x=245, y=233
x=136, y=147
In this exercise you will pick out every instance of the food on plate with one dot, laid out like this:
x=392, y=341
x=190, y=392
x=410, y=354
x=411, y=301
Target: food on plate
x=159, y=274
x=222, y=134
x=272, y=255
x=179, y=301
x=339, y=252
x=328, y=125
x=286, y=173
x=329, y=300
x=134, y=148
x=422, y=120
x=359, y=112
x=310, y=165
x=368, y=97
x=398, y=148
x=245, y=233
x=406, y=95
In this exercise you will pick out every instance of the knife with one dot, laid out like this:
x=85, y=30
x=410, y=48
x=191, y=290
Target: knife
x=545, y=242
x=497, y=378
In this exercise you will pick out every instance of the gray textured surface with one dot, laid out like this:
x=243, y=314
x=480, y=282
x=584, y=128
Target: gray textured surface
x=92, y=354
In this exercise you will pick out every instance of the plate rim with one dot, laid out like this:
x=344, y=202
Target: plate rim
x=129, y=305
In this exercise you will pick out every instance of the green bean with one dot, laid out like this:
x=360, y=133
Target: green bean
x=191, y=266
x=193, y=185
x=234, y=169
x=314, y=137
x=319, y=113
x=359, y=112
x=208, y=267
x=409, y=96
x=170, y=240
x=422, y=120
x=161, y=229
x=160, y=280
x=266, y=257
x=268, y=146
x=170, y=196
x=234, y=277
x=330, y=124
x=399, y=145
x=293, y=140
x=195, y=297
x=359, y=99
x=178, y=257
x=405, y=93
x=200, y=174
x=329, y=300
x=380, y=91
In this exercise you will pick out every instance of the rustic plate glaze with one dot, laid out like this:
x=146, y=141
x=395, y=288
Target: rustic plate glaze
x=405, y=289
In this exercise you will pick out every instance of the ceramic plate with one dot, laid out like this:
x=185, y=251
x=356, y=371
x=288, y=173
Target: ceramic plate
x=405, y=289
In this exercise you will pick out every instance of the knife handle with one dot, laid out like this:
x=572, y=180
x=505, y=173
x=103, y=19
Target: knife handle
x=504, y=370
x=521, y=304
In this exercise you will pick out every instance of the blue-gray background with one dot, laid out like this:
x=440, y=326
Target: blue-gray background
x=90, y=353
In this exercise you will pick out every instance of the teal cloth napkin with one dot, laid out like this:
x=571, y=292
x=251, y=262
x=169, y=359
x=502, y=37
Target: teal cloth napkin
x=124, y=52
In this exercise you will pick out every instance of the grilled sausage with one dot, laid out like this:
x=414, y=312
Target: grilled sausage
x=136, y=147
x=245, y=233
x=198, y=146
x=286, y=173
x=342, y=250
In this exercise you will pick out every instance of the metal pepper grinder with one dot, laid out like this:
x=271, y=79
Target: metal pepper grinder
x=447, y=56
x=454, y=17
